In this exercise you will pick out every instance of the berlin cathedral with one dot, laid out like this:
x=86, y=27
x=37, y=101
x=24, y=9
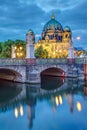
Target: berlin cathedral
x=55, y=42
x=54, y=39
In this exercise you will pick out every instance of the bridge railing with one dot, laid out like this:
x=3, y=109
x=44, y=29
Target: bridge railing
x=56, y=61
x=81, y=60
x=9, y=61
x=51, y=61
x=4, y=62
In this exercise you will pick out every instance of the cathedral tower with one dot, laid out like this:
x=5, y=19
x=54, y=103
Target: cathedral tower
x=67, y=36
x=30, y=40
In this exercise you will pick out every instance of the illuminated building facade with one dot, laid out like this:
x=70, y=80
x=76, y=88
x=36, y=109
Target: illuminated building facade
x=55, y=39
x=17, y=51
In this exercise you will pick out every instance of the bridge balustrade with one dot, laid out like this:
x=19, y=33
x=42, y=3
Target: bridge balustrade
x=81, y=60
x=5, y=62
x=85, y=59
x=56, y=61
x=51, y=61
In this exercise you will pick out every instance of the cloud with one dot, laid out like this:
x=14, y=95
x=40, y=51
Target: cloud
x=48, y=5
x=83, y=38
x=17, y=17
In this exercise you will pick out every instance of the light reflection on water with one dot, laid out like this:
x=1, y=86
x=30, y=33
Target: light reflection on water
x=31, y=107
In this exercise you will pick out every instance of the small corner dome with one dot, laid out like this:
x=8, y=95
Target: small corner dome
x=67, y=28
x=30, y=31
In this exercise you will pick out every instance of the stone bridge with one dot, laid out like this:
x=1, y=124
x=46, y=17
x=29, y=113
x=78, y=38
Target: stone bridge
x=31, y=70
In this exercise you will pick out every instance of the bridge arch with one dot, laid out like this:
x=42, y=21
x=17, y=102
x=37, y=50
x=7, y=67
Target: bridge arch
x=53, y=71
x=9, y=74
x=52, y=78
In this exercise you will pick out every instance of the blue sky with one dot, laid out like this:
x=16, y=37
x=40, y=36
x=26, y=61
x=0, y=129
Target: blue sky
x=18, y=16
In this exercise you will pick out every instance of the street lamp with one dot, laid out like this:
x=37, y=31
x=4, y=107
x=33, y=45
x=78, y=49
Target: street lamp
x=78, y=38
x=19, y=51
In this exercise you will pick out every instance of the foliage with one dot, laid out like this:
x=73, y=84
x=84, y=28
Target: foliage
x=18, y=44
x=41, y=53
x=5, y=47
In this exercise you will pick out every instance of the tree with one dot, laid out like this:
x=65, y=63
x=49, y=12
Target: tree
x=20, y=48
x=41, y=53
x=0, y=47
x=5, y=47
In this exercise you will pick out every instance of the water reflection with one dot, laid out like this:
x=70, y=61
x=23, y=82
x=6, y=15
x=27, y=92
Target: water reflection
x=16, y=97
x=69, y=97
x=18, y=111
x=79, y=106
x=8, y=90
x=51, y=82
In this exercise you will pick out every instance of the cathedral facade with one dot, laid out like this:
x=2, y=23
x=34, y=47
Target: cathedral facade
x=55, y=42
x=55, y=39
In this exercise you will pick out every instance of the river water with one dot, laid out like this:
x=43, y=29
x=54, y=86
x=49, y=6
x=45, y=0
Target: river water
x=56, y=104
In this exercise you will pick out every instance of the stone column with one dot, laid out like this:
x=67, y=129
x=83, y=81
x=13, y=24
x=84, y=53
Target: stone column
x=29, y=46
x=13, y=54
x=71, y=52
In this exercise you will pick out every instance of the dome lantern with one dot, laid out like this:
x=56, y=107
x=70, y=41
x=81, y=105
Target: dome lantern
x=52, y=17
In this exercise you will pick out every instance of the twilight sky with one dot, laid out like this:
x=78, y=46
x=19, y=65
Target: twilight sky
x=18, y=16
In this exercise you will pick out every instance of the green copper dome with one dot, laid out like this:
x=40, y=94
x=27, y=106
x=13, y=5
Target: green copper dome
x=67, y=28
x=52, y=24
x=30, y=31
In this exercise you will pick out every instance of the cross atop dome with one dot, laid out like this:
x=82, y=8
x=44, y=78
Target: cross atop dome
x=52, y=17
